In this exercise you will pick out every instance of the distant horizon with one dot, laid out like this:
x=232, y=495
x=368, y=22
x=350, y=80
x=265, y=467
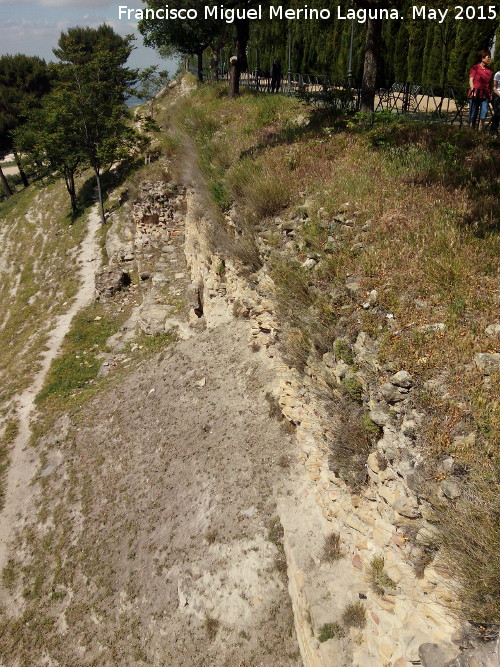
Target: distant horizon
x=33, y=27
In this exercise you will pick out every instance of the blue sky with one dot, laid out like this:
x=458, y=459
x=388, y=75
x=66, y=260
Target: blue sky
x=33, y=27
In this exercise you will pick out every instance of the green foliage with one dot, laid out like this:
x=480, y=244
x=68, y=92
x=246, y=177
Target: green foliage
x=353, y=388
x=374, y=430
x=77, y=366
x=343, y=351
x=330, y=631
x=24, y=80
x=94, y=83
x=151, y=81
x=51, y=141
x=380, y=581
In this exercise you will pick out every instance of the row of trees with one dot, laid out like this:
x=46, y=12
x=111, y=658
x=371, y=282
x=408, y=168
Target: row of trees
x=421, y=51
x=72, y=115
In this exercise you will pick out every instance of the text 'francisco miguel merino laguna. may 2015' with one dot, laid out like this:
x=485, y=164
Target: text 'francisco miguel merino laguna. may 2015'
x=279, y=13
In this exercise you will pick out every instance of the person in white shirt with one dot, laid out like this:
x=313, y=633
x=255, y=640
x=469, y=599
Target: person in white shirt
x=495, y=122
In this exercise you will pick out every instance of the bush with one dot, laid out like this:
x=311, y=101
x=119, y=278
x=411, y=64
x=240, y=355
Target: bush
x=343, y=351
x=353, y=388
x=330, y=631
x=354, y=615
x=380, y=581
x=349, y=443
x=331, y=548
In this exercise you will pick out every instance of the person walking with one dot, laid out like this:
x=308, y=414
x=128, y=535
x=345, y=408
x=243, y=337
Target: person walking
x=495, y=122
x=479, y=90
x=276, y=76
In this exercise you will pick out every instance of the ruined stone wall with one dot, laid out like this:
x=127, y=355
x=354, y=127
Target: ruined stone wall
x=409, y=618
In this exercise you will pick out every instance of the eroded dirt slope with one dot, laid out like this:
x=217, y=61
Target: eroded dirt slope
x=155, y=544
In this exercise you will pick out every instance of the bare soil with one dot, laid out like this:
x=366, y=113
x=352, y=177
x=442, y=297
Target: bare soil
x=157, y=518
x=151, y=535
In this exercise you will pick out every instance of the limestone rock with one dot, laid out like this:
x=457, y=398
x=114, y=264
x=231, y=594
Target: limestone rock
x=152, y=318
x=492, y=330
x=111, y=280
x=371, y=300
x=353, y=288
x=486, y=655
x=436, y=655
x=379, y=416
x=402, y=379
x=310, y=263
x=393, y=394
x=488, y=362
x=450, y=489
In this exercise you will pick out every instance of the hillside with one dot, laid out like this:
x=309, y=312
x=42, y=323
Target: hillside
x=273, y=438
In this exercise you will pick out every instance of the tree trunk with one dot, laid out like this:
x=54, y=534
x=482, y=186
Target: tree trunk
x=70, y=187
x=200, y=66
x=22, y=173
x=240, y=65
x=5, y=185
x=234, y=77
x=99, y=194
x=370, y=69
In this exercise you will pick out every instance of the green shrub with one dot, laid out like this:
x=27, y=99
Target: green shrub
x=380, y=581
x=352, y=388
x=343, y=351
x=330, y=631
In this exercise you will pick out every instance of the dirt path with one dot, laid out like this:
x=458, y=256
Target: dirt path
x=22, y=458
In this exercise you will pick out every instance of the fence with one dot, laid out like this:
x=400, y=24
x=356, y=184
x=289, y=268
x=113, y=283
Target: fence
x=429, y=101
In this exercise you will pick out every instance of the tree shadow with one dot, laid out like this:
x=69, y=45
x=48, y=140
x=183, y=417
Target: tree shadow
x=319, y=119
x=110, y=180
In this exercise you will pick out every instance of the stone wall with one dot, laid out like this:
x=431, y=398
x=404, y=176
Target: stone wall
x=384, y=522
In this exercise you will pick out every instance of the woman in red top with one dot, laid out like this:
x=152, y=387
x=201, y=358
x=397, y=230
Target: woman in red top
x=480, y=90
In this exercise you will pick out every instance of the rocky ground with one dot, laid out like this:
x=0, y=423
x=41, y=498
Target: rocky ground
x=156, y=538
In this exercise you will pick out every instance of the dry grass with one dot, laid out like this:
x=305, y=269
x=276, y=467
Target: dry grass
x=470, y=544
x=354, y=615
x=350, y=442
x=9, y=435
x=332, y=550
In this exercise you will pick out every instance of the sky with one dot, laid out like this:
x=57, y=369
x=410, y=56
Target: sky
x=33, y=27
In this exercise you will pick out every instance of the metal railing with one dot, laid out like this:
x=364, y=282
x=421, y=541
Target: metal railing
x=426, y=101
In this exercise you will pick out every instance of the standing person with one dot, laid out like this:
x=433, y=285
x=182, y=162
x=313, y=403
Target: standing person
x=276, y=76
x=496, y=104
x=479, y=90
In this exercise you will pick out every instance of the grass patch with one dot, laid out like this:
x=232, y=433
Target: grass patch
x=349, y=443
x=380, y=581
x=330, y=631
x=354, y=615
x=39, y=241
x=9, y=435
x=75, y=369
x=352, y=388
x=343, y=351
x=469, y=548
x=331, y=548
